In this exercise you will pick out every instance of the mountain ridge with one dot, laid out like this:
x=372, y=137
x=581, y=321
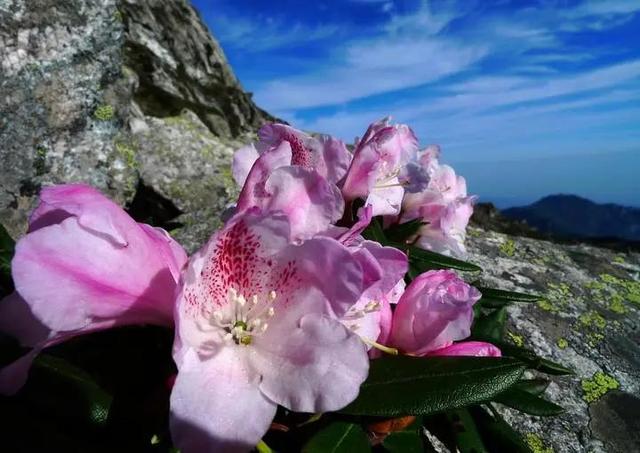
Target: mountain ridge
x=571, y=216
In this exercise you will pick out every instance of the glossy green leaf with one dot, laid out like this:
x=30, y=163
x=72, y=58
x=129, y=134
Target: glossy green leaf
x=338, y=437
x=400, y=232
x=403, y=385
x=426, y=260
x=528, y=403
x=374, y=232
x=490, y=327
x=497, y=434
x=507, y=296
x=532, y=360
x=533, y=386
x=67, y=391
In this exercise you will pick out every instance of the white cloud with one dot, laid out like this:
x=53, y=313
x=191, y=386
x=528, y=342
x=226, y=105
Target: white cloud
x=265, y=34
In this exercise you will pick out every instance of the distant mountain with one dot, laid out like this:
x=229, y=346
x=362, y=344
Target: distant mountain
x=570, y=216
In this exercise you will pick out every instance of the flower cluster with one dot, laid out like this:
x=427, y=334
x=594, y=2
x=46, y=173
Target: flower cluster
x=286, y=305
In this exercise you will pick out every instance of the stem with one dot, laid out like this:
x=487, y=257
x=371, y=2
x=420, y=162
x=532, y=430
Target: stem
x=263, y=448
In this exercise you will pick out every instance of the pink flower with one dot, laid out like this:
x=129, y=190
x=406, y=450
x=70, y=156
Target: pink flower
x=444, y=206
x=378, y=161
x=468, y=348
x=85, y=265
x=326, y=155
x=257, y=327
x=308, y=199
x=435, y=310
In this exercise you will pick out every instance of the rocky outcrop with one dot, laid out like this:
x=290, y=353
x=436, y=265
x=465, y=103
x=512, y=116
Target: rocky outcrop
x=102, y=92
x=589, y=321
x=180, y=66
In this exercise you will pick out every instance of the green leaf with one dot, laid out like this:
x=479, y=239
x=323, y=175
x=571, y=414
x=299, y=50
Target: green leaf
x=466, y=436
x=67, y=391
x=338, y=437
x=528, y=403
x=490, y=327
x=533, y=386
x=496, y=433
x=403, y=385
x=400, y=232
x=426, y=260
x=7, y=249
x=532, y=360
x=374, y=232
x=408, y=441
x=507, y=296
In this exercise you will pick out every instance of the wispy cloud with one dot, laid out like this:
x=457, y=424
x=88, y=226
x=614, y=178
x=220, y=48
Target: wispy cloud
x=262, y=34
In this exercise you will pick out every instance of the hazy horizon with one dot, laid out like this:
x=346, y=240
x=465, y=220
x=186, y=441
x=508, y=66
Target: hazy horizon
x=545, y=92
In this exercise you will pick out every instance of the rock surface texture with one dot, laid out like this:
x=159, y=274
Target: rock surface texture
x=121, y=95
x=588, y=321
x=137, y=99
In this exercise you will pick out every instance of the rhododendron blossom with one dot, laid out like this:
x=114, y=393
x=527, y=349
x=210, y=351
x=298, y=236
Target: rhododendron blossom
x=435, y=310
x=378, y=162
x=444, y=207
x=257, y=326
x=308, y=199
x=325, y=154
x=85, y=265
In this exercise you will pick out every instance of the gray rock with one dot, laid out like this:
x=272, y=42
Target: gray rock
x=63, y=103
x=84, y=82
x=589, y=321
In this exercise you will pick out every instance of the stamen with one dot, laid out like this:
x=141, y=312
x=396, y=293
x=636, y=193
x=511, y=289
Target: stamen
x=380, y=347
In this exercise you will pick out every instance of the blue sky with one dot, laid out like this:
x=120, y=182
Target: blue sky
x=526, y=98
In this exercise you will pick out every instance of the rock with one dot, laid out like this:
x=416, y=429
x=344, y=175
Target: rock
x=84, y=83
x=588, y=321
x=63, y=103
x=180, y=65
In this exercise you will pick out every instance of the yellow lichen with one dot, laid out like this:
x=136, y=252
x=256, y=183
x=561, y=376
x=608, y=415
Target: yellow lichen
x=128, y=153
x=104, y=112
x=508, y=247
x=517, y=339
x=598, y=386
x=536, y=445
x=562, y=343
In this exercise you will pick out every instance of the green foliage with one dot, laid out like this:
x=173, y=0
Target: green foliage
x=402, y=385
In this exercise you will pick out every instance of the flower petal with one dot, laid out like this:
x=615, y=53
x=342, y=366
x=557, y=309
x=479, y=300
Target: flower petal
x=469, y=348
x=243, y=160
x=14, y=375
x=316, y=365
x=253, y=191
x=216, y=404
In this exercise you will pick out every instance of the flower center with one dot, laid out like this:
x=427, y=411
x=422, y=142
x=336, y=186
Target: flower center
x=387, y=177
x=243, y=319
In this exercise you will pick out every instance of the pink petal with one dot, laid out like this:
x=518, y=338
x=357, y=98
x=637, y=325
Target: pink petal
x=336, y=159
x=469, y=348
x=97, y=263
x=434, y=311
x=310, y=202
x=14, y=375
x=253, y=191
x=243, y=160
x=316, y=364
x=216, y=404
x=17, y=321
